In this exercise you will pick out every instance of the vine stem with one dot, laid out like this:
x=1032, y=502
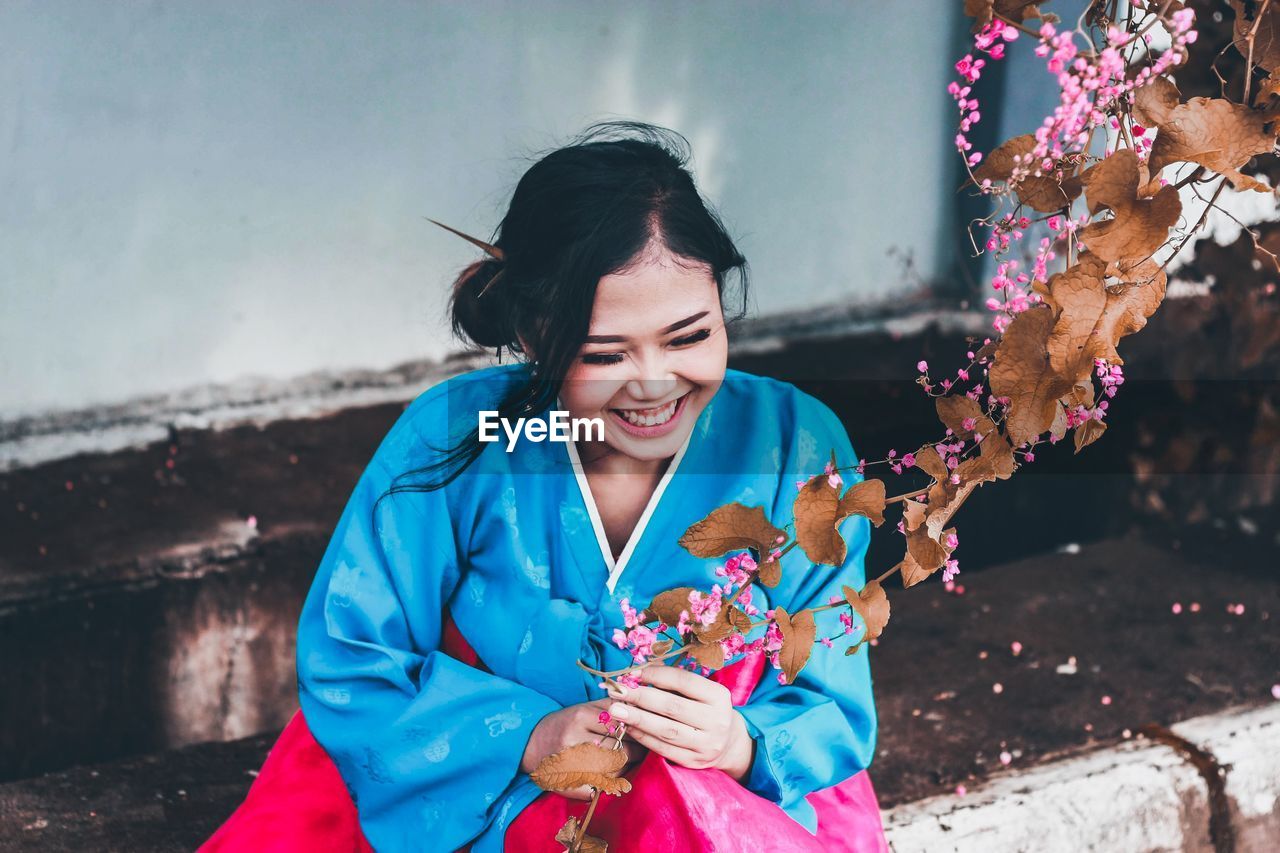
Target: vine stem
x=1023, y=27
x=582, y=827
x=680, y=650
x=908, y=495
x=1248, y=66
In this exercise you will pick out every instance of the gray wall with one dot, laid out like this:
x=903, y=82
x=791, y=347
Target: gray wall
x=197, y=192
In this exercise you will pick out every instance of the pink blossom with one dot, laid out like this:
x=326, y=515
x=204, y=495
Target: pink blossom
x=630, y=616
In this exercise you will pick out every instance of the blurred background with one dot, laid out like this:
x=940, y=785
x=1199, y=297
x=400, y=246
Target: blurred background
x=218, y=289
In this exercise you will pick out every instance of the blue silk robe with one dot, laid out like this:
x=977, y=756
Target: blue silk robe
x=429, y=747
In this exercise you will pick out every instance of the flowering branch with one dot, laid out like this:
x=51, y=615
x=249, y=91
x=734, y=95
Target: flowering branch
x=1112, y=216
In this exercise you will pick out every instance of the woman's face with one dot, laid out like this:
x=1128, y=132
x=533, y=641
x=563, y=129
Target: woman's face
x=654, y=357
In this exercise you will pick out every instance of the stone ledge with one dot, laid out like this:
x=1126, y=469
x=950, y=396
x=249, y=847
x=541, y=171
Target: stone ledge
x=1139, y=795
x=1131, y=796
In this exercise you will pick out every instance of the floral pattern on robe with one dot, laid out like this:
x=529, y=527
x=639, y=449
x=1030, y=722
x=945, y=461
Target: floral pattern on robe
x=429, y=747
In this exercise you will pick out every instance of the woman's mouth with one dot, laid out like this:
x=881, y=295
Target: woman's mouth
x=654, y=422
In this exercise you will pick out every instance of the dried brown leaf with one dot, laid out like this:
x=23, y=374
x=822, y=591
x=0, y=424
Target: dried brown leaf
x=1139, y=225
x=798, y=633
x=914, y=513
x=589, y=843
x=732, y=527
x=1215, y=133
x=1081, y=394
x=1040, y=192
x=1022, y=373
x=1014, y=10
x=872, y=605
x=1079, y=298
x=1093, y=317
x=953, y=409
x=1268, y=88
x=1153, y=102
x=706, y=653
x=1059, y=427
x=928, y=461
x=583, y=764
x=666, y=606
x=819, y=509
x=1089, y=432
x=720, y=628
x=997, y=452
x=919, y=540
x=925, y=555
x=769, y=572
x=1266, y=41
x=863, y=498
x=1128, y=307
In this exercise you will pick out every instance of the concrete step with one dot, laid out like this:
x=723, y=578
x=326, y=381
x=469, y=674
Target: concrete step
x=1133, y=795
x=1208, y=784
x=140, y=610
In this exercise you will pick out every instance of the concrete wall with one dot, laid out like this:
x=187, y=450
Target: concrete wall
x=199, y=192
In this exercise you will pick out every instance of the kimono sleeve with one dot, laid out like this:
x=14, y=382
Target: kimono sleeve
x=820, y=730
x=429, y=747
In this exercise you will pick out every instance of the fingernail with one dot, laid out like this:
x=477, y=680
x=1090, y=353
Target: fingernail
x=619, y=711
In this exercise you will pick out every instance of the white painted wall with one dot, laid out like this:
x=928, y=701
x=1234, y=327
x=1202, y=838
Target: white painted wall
x=196, y=192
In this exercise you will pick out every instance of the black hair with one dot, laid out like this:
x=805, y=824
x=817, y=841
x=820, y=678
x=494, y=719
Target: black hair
x=580, y=213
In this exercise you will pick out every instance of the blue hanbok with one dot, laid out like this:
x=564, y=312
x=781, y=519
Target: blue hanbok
x=429, y=747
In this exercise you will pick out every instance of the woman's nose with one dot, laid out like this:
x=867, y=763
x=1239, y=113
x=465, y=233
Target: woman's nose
x=654, y=380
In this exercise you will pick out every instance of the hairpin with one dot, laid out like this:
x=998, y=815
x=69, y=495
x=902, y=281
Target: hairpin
x=493, y=251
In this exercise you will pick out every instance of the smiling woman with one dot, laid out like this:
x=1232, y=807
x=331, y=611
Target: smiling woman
x=438, y=647
x=647, y=376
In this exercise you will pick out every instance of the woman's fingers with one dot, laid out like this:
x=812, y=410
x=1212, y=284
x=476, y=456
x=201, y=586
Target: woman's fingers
x=676, y=754
x=668, y=704
x=671, y=731
x=682, y=681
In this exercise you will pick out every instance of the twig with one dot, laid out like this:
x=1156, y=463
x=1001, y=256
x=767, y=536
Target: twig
x=582, y=827
x=1248, y=65
x=1023, y=27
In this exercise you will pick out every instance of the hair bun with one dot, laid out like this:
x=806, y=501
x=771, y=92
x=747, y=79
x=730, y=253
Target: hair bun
x=478, y=309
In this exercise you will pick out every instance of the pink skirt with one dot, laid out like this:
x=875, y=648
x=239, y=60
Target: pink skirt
x=299, y=802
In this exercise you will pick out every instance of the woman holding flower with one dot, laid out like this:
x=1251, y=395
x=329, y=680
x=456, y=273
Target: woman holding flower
x=460, y=616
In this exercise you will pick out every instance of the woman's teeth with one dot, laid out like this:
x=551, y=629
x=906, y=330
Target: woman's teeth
x=650, y=417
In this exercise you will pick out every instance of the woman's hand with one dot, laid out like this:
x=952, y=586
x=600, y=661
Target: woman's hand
x=578, y=723
x=687, y=719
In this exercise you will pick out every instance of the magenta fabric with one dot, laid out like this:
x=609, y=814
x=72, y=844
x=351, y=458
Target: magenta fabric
x=673, y=808
x=299, y=802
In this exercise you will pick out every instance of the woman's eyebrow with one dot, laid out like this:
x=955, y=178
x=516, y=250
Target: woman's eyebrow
x=680, y=324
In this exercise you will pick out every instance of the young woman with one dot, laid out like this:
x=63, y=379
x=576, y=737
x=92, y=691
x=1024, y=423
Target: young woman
x=438, y=648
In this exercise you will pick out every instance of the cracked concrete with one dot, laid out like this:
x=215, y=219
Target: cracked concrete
x=1142, y=795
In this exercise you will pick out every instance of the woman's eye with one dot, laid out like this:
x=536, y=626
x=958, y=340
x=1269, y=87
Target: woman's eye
x=700, y=335
x=615, y=357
